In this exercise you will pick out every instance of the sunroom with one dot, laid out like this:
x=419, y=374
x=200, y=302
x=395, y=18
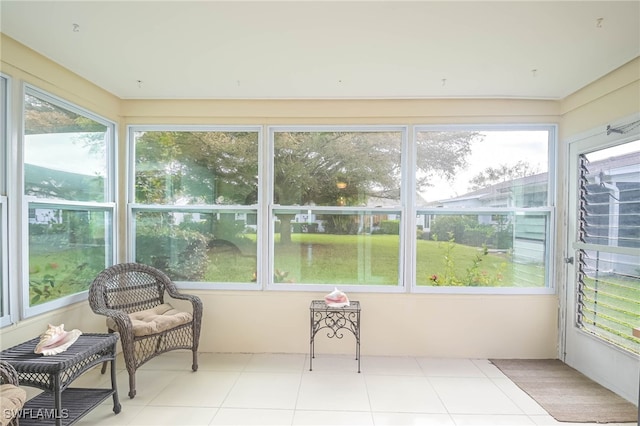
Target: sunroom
x=469, y=172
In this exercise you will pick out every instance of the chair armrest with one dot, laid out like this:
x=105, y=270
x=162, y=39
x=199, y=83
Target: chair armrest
x=125, y=327
x=195, y=300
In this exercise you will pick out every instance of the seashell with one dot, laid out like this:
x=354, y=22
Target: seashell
x=56, y=340
x=336, y=299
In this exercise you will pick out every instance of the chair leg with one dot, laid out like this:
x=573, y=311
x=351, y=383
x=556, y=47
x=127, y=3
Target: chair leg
x=132, y=384
x=194, y=366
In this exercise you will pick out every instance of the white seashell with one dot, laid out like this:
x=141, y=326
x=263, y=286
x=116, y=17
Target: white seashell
x=56, y=340
x=336, y=299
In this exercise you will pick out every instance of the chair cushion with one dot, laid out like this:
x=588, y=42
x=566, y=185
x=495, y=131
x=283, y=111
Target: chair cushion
x=12, y=399
x=155, y=320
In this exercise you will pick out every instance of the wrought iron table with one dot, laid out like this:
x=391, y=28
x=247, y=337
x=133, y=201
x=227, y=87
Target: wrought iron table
x=54, y=374
x=335, y=320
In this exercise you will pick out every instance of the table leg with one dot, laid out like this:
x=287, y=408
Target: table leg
x=57, y=400
x=311, y=338
x=358, y=340
x=116, y=401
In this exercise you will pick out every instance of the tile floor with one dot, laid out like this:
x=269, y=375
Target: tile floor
x=279, y=389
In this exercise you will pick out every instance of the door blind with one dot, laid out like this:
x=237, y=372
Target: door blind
x=608, y=255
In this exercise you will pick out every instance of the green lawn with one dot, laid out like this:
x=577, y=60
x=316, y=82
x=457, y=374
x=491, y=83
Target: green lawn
x=374, y=259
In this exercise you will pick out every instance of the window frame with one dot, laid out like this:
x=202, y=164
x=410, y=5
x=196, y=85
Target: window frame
x=549, y=209
x=400, y=287
x=28, y=202
x=408, y=207
x=133, y=207
x=7, y=308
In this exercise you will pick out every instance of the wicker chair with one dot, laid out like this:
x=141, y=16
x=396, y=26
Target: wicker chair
x=11, y=396
x=132, y=297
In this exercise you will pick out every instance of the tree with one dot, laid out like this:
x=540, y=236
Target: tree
x=442, y=153
x=197, y=167
x=310, y=168
x=502, y=173
x=44, y=117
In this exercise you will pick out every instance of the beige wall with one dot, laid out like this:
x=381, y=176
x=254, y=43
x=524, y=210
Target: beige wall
x=510, y=326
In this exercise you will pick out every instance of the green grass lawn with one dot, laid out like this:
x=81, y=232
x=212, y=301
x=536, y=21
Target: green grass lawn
x=374, y=259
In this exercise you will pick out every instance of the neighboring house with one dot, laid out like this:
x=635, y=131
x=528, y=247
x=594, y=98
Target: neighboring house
x=615, y=188
x=44, y=182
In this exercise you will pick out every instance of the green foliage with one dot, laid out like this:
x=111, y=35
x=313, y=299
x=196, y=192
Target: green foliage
x=58, y=273
x=390, y=227
x=340, y=224
x=202, y=167
x=452, y=226
x=474, y=275
x=465, y=229
x=180, y=253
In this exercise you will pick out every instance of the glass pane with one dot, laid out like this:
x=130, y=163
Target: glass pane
x=483, y=168
x=67, y=249
x=337, y=168
x=611, y=193
x=490, y=250
x=332, y=247
x=185, y=168
x=3, y=135
x=65, y=153
x=609, y=296
x=217, y=246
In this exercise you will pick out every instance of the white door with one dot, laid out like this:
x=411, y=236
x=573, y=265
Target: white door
x=603, y=259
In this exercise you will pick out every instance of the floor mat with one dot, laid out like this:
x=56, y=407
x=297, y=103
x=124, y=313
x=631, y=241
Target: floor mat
x=565, y=393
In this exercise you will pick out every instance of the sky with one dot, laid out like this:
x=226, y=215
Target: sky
x=614, y=151
x=63, y=151
x=498, y=147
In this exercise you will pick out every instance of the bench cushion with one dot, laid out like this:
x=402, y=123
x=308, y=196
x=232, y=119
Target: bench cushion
x=12, y=399
x=155, y=320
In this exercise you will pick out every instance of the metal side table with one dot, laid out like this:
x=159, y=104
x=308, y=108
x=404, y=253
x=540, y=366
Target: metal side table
x=54, y=374
x=335, y=321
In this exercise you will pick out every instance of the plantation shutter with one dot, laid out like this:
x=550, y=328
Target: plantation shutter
x=608, y=249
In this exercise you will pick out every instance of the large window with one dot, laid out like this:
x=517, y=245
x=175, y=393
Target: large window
x=484, y=207
x=337, y=206
x=359, y=207
x=194, y=202
x=69, y=192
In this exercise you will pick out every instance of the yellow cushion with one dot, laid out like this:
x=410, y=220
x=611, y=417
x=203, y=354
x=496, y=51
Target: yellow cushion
x=12, y=399
x=155, y=320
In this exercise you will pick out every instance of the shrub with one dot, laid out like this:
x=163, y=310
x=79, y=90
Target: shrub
x=447, y=227
x=390, y=227
x=180, y=253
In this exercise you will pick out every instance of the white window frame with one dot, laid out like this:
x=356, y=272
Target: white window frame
x=550, y=209
x=404, y=218
x=408, y=207
x=6, y=314
x=133, y=207
x=28, y=202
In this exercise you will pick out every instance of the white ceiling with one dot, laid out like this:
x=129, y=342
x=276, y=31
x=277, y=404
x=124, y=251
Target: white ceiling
x=331, y=49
